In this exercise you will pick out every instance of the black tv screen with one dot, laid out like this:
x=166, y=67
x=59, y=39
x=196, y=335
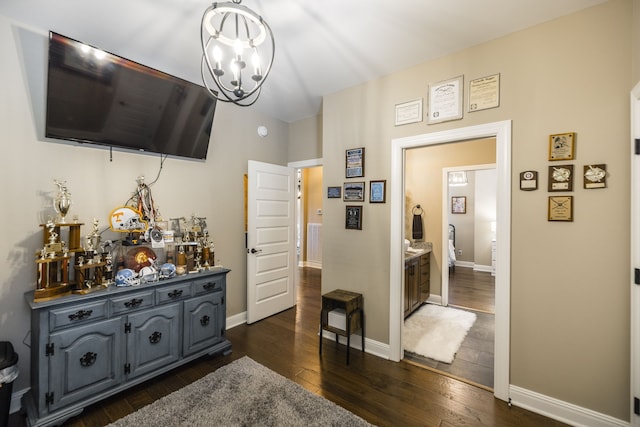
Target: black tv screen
x=96, y=97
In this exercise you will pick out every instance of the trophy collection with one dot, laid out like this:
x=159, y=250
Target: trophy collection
x=68, y=266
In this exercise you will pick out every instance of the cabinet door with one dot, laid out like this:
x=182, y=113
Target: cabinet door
x=203, y=322
x=153, y=339
x=85, y=361
x=412, y=286
x=407, y=287
x=425, y=277
x=415, y=284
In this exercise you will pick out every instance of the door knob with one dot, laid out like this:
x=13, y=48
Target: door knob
x=255, y=251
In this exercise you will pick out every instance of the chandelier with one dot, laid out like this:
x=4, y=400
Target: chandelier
x=237, y=52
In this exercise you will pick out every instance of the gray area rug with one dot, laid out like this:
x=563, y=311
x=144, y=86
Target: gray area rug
x=242, y=393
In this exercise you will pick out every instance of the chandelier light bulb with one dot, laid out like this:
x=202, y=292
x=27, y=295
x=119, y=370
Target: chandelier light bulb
x=255, y=60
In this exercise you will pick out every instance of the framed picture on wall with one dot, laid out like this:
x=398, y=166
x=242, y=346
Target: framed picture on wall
x=377, y=191
x=562, y=146
x=459, y=205
x=354, y=159
x=354, y=191
x=353, y=218
x=445, y=100
x=334, y=192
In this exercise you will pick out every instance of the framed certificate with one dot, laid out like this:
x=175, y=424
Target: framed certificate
x=560, y=208
x=561, y=146
x=409, y=112
x=445, y=100
x=484, y=93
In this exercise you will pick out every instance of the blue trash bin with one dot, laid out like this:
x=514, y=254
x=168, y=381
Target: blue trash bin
x=8, y=373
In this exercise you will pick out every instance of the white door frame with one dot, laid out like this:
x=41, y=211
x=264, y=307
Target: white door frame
x=635, y=253
x=444, y=279
x=502, y=132
x=302, y=164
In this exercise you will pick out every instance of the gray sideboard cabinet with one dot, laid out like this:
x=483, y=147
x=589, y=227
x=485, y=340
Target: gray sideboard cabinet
x=85, y=348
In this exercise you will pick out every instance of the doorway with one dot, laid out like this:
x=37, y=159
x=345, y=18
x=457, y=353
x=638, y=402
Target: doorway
x=308, y=210
x=501, y=131
x=458, y=199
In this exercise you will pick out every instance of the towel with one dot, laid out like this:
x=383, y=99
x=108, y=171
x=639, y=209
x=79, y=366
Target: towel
x=417, y=227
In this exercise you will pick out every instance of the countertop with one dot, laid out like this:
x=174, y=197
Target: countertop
x=415, y=253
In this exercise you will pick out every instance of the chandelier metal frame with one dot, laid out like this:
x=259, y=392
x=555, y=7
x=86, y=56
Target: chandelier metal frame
x=231, y=34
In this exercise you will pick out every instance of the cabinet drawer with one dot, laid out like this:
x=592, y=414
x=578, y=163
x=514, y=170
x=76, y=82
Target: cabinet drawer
x=77, y=315
x=132, y=302
x=173, y=293
x=211, y=284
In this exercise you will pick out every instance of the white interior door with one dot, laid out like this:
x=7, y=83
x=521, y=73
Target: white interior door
x=270, y=240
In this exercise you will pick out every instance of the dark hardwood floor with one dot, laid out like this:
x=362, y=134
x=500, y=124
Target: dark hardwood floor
x=472, y=291
x=384, y=393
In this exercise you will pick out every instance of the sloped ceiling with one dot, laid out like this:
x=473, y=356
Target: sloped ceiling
x=322, y=46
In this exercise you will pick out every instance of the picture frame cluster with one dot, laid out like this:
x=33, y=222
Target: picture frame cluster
x=561, y=177
x=355, y=191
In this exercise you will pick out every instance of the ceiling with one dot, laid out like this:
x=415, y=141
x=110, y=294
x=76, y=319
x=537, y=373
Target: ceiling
x=322, y=46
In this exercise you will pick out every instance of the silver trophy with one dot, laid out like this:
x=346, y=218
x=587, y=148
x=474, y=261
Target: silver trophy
x=62, y=201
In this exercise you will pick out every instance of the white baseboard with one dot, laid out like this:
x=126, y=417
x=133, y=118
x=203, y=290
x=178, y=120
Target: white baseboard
x=465, y=264
x=435, y=299
x=311, y=264
x=372, y=347
x=485, y=268
x=236, y=320
x=16, y=400
x=562, y=411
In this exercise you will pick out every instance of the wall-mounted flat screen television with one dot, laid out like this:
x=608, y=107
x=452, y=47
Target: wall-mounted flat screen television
x=100, y=98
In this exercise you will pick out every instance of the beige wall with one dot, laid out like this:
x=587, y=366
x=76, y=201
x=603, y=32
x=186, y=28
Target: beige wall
x=213, y=189
x=635, y=48
x=423, y=186
x=305, y=139
x=569, y=302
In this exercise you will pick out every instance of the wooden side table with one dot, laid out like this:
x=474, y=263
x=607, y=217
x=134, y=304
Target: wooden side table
x=353, y=306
